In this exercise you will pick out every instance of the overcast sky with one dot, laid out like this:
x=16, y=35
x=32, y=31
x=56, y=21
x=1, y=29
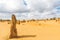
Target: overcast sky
x=29, y=9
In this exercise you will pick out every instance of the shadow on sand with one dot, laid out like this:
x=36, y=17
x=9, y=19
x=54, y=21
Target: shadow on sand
x=23, y=36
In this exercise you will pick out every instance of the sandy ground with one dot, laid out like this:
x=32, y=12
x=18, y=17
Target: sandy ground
x=34, y=30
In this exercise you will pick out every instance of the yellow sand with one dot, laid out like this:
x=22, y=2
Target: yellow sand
x=43, y=30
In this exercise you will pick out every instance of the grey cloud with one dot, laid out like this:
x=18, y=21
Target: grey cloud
x=43, y=5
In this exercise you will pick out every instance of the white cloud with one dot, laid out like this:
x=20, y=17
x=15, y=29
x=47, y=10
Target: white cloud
x=35, y=9
x=12, y=6
x=45, y=8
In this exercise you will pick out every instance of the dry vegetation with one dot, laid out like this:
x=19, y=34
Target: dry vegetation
x=24, y=21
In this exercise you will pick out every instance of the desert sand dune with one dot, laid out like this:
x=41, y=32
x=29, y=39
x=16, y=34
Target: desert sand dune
x=33, y=30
